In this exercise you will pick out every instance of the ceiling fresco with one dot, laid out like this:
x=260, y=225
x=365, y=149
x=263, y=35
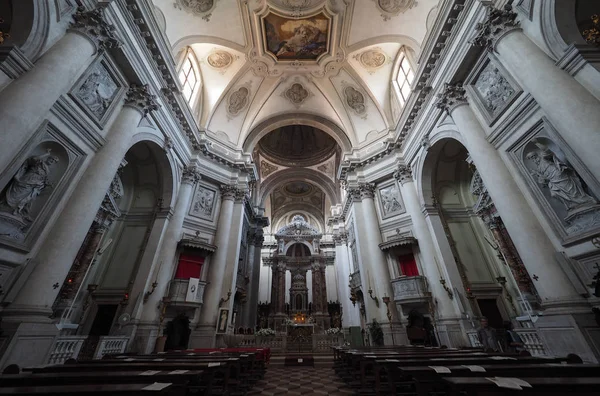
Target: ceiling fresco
x=296, y=39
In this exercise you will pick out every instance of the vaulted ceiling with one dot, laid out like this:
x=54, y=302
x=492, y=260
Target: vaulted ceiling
x=270, y=65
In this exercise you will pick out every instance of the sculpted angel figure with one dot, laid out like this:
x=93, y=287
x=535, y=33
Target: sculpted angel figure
x=563, y=182
x=28, y=183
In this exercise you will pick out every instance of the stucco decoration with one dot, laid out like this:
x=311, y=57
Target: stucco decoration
x=392, y=8
x=391, y=202
x=494, y=89
x=297, y=94
x=203, y=202
x=220, y=60
x=238, y=100
x=355, y=100
x=267, y=168
x=201, y=8
x=372, y=59
x=563, y=187
x=97, y=91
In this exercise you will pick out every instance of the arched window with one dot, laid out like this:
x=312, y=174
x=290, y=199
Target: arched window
x=188, y=77
x=405, y=78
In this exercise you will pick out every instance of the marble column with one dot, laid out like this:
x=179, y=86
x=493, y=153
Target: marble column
x=274, y=288
x=324, y=301
x=374, y=270
x=251, y=287
x=166, y=256
x=342, y=267
x=58, y=251
x=531, y=241
x=281, y=268
x=446, y=307
x=216, y=271
x=26, y=101
x=254, y=275
x=571, y=108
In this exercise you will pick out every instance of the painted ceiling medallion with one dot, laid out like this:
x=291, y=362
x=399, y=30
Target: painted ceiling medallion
x=201, y=8
x=238, y=100
x=392, y=8
x=372, y=59
x=220, y=60
x=290, y=39
x=355, y=100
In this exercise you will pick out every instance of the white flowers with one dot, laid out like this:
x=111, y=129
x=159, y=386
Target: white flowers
x=333, y=331
x=265, y=332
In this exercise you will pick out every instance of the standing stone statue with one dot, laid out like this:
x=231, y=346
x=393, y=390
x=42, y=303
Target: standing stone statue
x=27, y=185
x=562, y=180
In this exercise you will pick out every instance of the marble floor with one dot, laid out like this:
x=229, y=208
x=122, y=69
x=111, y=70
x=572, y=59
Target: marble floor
x=301, y=381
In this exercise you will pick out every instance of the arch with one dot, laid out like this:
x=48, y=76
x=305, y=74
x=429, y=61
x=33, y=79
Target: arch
x=559, y=25
x=203, y=39
x=166, y=164
x=308, y=175
x=308, y=210
x=292, y=243
x=30, y=26
x=282, y=120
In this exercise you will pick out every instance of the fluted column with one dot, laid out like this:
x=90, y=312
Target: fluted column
x=58, y=251
x=166, y=256
x=216, y=271
x=374, y=272
x=25, y=101
x=534, y=246
x=446, y=307
x=571, y=108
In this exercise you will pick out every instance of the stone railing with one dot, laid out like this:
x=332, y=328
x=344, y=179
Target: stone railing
x=324, y=342
x=532, y=342
x=410, y=289
x=111, y=345
x=64, y=348
x=178, y=292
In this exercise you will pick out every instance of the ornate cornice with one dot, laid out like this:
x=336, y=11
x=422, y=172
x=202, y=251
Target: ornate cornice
x=190, y=175
x=403, y=174
x=93, y=26
x=451, y=97
x=140, y=98
x=497, y=24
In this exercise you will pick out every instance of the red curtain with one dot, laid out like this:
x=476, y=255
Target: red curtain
x=408, y=265
x=189, y=266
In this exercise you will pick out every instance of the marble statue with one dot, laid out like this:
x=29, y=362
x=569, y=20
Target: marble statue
x=25, y=187
x=562, y=180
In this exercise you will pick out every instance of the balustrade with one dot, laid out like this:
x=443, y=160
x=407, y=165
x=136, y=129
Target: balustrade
x=111, y=345
x=65, y=348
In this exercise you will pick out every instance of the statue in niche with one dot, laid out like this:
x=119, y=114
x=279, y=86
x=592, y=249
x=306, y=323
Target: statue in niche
x=238, y=100
x=562, y=180
x=97, y=91
x=355, y=100
x=31, y=179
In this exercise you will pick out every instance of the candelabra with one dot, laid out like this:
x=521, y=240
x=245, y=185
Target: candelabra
x=443, y=283
x=224, y=300
x=374, y=298
x=386, y=301
x=149, y=292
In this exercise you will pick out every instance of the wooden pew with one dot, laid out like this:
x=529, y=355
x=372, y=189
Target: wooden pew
x=91, y=390
x=546, y=386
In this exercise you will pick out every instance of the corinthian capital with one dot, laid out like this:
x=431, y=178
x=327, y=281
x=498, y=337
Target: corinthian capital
x=140, y=98
x=353, y=193
x=191, y=174
x=240, y=195
x=93, y=26
x=403, y=174
x=452, y=96
x=228, y=192
x=497, y=23
x=367, y=190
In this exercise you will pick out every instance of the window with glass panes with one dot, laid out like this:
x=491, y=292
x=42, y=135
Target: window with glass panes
x=405, y=79
x=187, y=77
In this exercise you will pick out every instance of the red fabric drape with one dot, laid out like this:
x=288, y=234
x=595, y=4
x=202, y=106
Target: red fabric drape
x=408, y=265
x=189, y=266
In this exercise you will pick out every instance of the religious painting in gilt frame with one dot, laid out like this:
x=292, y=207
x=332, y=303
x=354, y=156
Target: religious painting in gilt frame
x=222, y=321
x=290, y=39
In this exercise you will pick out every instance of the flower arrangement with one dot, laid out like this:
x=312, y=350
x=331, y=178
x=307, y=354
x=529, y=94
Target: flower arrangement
x=265, y=332
x=376, y=332
x=311, y=320
x=288, y=321
x=333, y=331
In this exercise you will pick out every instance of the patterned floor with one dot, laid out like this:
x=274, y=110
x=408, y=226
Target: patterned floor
x=301, y=381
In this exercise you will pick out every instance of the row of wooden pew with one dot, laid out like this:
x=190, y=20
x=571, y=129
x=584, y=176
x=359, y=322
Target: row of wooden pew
x=411, y=370
x=218, y=372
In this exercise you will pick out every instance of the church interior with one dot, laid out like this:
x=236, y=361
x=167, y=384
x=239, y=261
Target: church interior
x=323, y=197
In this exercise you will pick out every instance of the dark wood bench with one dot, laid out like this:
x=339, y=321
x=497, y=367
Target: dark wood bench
x=92, y=389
